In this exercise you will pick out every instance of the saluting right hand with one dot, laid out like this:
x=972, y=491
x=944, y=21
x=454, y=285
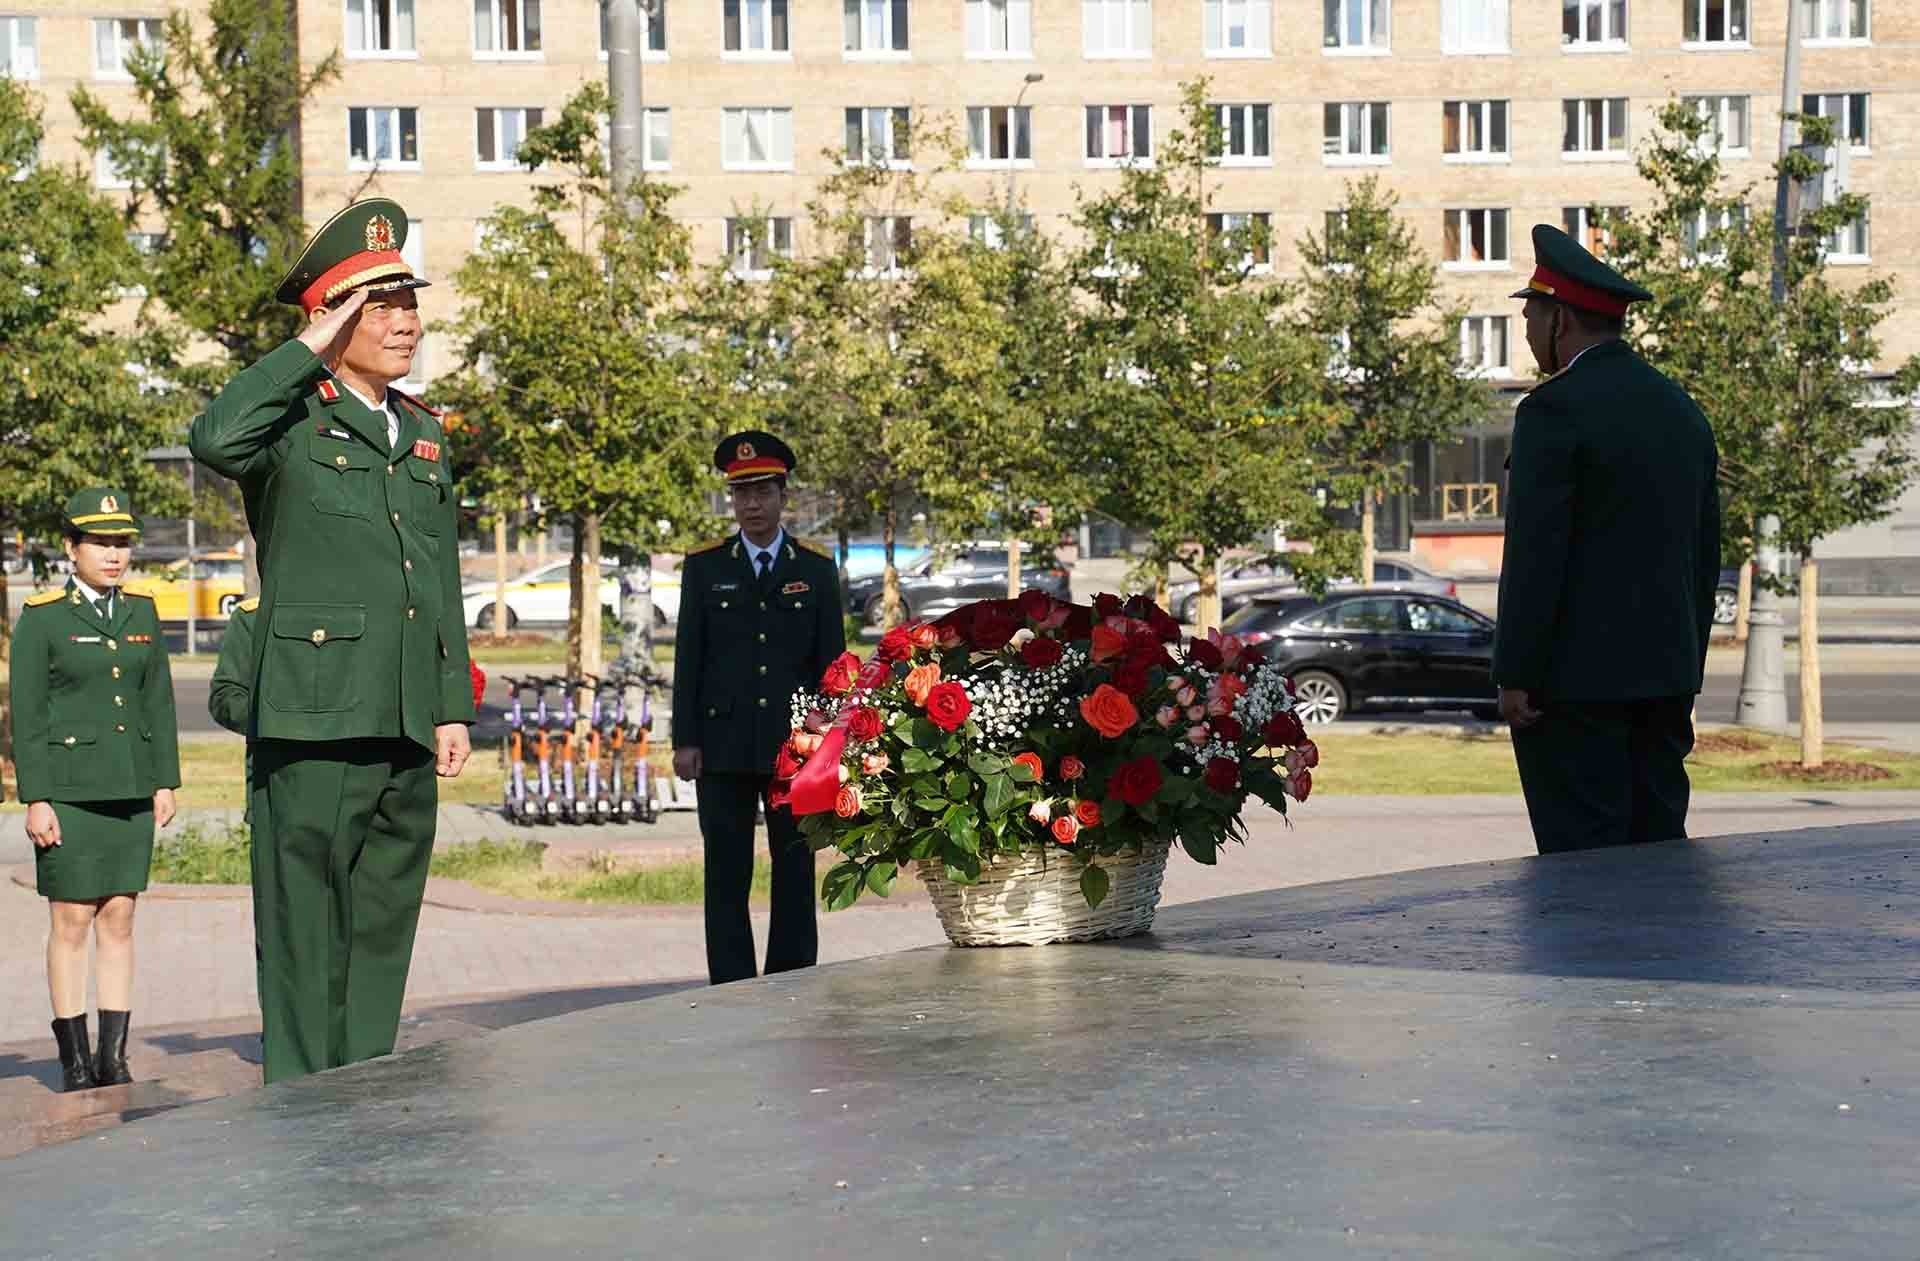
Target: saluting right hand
x=329, y=334
x=43, y=826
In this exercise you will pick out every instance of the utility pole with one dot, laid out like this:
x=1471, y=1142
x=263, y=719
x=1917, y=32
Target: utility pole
x=1763, y=689
x=1013, y=538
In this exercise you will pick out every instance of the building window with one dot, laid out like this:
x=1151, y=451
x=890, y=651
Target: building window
x=1475, y=239
x=999, y=135
x=1252, y=231
x=383, y=136
x=1849, y=244
x=656, y=141
x=990, y=230
x=497, y=137
x=1475, y=26
x=1714, y=21
x=1849, y=112
x=755, y=27
x=19, y=48
x=999, y=28
x=1355, y=131
x=1360, y=26
x=107, y=174
x=889, y=240
x=1698, y=236
x=1116, y=28
x=753, y=244
x=1835, y=21
x=114, y=42
x=1474, y=131
x=873, y=27
x=1238, y=28
x=147, y=244
x=1591, y=229
x=506, y=28
x=1118, y=133
x=380, y=28
x=653, y=31
x=1730, y=135
x=1595, y=127
x=1245, y=135
x=878, y=135
x=1484, y=346
x=1591, y=25
x=756, y=139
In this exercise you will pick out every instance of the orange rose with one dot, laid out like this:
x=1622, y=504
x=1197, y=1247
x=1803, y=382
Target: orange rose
x=846, y=802
x=1032, y=760
x=1087, y=813
x=1109, y=711
x=920, y=681
x=1066, y=829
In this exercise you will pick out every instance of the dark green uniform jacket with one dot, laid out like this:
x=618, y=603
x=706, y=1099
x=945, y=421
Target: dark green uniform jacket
x=360, y=626
x=92, y=701
x=230, y=699
x=1613, y=536
x=744, y=647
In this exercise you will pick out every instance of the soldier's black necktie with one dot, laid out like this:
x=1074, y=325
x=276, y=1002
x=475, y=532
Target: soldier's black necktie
x=105, y=605
x=765, y=561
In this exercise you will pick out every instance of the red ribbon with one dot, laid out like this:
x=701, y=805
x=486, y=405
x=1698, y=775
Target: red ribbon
x=818, y=783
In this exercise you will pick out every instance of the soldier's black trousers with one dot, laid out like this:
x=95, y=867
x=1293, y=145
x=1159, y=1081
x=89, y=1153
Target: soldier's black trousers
x=726, y=826
x=1599, y=773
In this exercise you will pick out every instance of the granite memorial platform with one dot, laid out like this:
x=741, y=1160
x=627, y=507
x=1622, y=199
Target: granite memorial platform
x=1705, y=1049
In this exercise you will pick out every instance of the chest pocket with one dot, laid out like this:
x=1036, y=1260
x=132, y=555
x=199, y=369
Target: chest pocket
x=429, y=485
x=342, y=477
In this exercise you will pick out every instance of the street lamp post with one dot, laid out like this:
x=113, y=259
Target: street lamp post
x=1007, y=225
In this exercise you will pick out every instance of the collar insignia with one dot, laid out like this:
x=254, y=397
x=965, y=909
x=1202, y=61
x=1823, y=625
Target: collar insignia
x=329, y=392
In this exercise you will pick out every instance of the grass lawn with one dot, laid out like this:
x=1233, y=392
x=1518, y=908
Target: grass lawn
x=513, y=869
x=524, y=648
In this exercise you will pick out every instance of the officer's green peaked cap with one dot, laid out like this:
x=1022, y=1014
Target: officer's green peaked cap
x=101, y=510
x=358, y=248
x=1564, y=271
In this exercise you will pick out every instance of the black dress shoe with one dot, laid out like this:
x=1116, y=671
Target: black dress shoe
x=76, y=1060
x=110, y=1065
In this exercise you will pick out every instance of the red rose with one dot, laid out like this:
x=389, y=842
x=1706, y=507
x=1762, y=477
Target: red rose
x=1108, y=643
x=1035, y=604
x=1109, y=712
x=1087, y=813
x=478, y=678
x=1223, y=774
x=1284, y=729
x=1165, y=626
x=1309, y=753
x=948, y=706
x=787, y=764
x=1032, y=761
x=1072, y=768
x=895, y=645
x=1106, y=605
x=1131, y=678
x=1066, y=829
x=863, y=723
x=1144, y=646
x=1040, y=652
x=840, y=675
x=922, y=635
x=994, y=623
x=1227, y=727
x=1203, y=653
x=1301, y=785
x=1136, y=782
x=846, y=802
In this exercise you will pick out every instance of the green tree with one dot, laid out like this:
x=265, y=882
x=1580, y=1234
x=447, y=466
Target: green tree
x=1373, y=295
x=1201, y=411
x=572, y=381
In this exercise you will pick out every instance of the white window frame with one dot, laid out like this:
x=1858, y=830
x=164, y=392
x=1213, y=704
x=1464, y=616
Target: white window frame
x=1577, y=222
x=496, y=20
x=1495, y=335
x=1221, y=222
x=876, y=44
x=23, y=55
x=748, y=52
x=1821, y=12
x=871, y=227
x=1611, y=106
x=1691, y=251
x=656, y=122
x=1138, y=123
x=1360, y=121
x=1716, y=109
x=1839, y=251
x=498, y=163
x=1019, y=121
x=1373, y=41
x=1487, y=217
x=1454, y=42
x=1485, y=110
x=368, y=23
x=1820, y=102
x=1248, y=111
x=1252, y=18
x=893, y=119
x=1135, y=17
x=106, y=174
x=984, y=229
x=778, y=121
x=1013, y=20
x=742, y=244
x=1610, y=41
x=649, y=32
x=399, y=113
x=122, y=48
x=1697, y=10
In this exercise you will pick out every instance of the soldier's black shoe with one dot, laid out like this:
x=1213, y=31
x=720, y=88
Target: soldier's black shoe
x=76, y=1060
x=110, y=1065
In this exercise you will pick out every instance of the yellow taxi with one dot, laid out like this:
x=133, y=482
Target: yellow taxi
x=222, y=584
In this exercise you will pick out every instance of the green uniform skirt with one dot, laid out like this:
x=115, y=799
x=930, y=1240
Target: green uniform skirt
x=106, y=847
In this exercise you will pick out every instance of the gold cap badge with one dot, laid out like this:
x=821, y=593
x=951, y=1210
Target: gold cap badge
x=744, y=451
x=109, y=504
x=379, y=233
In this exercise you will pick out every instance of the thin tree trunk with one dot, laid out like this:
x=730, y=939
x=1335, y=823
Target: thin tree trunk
x=1161, y=584
x=1365, y=576
x=6, y=711
x=889, y=576
x=1743, y=606
x=1013, y=569
x=575, y=604
x=1812, y=723
x=1209, y=591
x=587, y=563
x=499, y=577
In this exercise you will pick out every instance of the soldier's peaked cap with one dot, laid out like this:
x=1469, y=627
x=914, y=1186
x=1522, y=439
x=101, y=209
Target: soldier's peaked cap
x=1565, y=272
x=752, y=456
x=101, y=510
x=359, y=248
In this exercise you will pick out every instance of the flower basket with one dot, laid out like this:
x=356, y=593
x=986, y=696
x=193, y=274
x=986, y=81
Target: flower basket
x=1033, y=897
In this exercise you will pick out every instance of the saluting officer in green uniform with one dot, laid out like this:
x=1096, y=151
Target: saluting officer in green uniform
x=759, y=619
x=1612, y=555
x=95, y=749
x=359, y=690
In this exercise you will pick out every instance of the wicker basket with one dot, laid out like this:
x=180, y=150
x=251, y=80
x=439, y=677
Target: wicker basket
x=1035, y=898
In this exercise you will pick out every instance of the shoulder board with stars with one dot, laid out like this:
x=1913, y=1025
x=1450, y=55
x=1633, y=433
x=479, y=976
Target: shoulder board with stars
x=818, y=549
x=137, y=595
x=45, y=597
x=249, y=605
x=711, y=545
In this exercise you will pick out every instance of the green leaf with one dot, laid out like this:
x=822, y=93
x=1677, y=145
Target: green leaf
x=926, y=844
x=961, y=827
x=880, y=876
x=959, y=784
x=926, y=735
x=917, y=761
x=1000, y=795
x=963, y=866
x=1023, y=773
x=984, y=764
x=840, y=887
x=1201, y=848
x=1094, y=884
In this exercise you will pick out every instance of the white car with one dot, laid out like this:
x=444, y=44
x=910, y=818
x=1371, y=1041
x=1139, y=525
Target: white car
x=540, y=597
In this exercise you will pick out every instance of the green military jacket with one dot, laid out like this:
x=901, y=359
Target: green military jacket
x=1613, y=536
x=92, y=700
x=360, y=626
x=744, y=647
x=230, y=699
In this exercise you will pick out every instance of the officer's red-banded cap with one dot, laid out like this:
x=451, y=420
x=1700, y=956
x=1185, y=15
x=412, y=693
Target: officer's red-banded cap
x=1565, y=272
x=752, y=456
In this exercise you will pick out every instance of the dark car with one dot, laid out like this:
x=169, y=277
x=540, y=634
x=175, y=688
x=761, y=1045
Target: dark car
x=1375, y=648
x=1726, y=598
x=941, y=583
x=1243, y=581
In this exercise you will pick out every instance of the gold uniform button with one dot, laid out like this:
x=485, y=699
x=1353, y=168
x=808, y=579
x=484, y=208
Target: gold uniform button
x=763, y=702
x=120, y=700
x=119, y=726
x=723, y=604
x=319, y=635
x=763, y=669
x=113, y=645
x=116, y=672
x=763, y=637
x=396, y=518
x=341, y=460
x=406, y=564
x=409, y=615
x=389, y=470
x=433, y=477
x=763, y=606
x=68, y=740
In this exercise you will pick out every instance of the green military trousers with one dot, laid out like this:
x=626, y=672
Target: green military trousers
x=342, y=835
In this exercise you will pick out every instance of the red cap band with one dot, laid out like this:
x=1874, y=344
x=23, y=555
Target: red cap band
x=369, y=265
x=1553, y=285
x=757, y=466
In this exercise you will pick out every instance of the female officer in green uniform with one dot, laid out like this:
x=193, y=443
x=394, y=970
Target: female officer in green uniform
x=97, y=755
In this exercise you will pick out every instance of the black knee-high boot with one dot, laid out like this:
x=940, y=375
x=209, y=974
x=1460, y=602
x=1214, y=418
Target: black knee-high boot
x=110, y=1067
x=76, y=1060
